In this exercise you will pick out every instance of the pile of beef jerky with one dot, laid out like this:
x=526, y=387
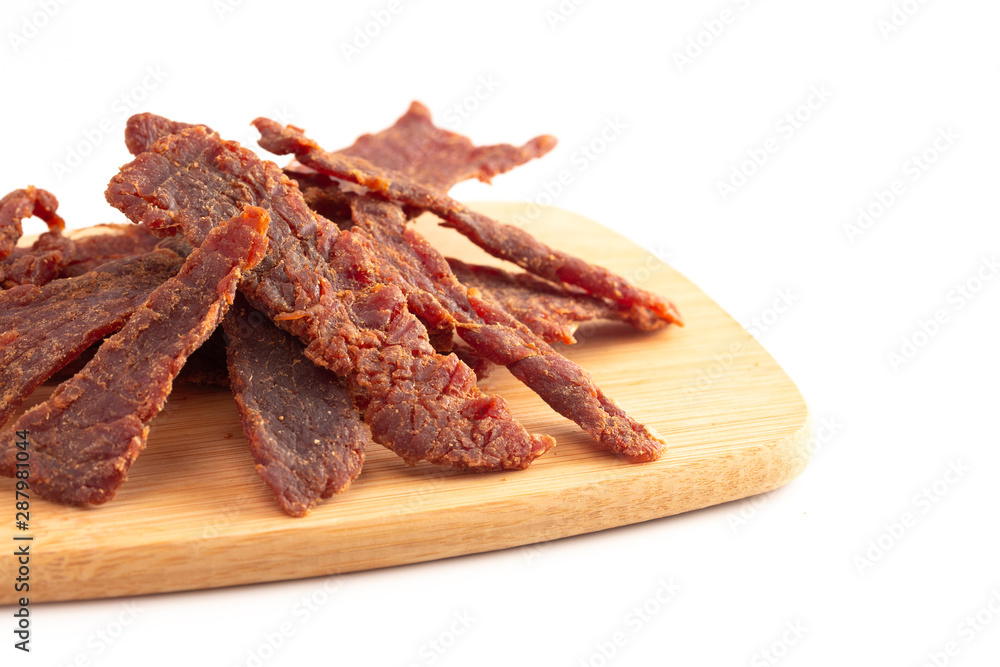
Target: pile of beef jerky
x=342, y=325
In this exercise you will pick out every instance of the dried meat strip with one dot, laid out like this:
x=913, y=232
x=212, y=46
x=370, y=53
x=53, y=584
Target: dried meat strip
x=418, y=403
x=46, y=328
x=87, y=434
x=43, y=262
x=415, y=147
x=118, y=241
x=500, y=240
x=144, y=129
x=20, y=204
x=305, y=434
x=551, y=311
x=408, y=260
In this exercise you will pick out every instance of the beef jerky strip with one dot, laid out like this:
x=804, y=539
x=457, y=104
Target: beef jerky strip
x=144, y=129
x=205, y=367
x=414, y=146
x=44, y=261
x=418, y=403
x=21, y=204
x=87, y=434
x=45, y=328
x=500, y=240
x=304, y=432
x=549, y=310
x=119, y=241
x=552, y=311
x=423, y=273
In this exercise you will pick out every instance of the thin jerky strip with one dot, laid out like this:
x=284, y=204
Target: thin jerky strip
x=21, y=204
x=415, y=147
x=45, y=328
x=551, y=311
x=304, y=432
x=86, y=436
x=423, y=273
x=418, y=403
x=118, y=241
x=43, y=262
x=500, y=240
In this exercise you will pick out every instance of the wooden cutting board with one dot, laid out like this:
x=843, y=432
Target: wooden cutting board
x=193, y=513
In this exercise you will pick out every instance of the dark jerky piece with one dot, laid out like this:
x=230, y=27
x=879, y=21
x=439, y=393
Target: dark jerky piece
x=119, y=241
x=415, y=147
x=45, y=328
x=43, y=262
x=551, y=311
x=143, y=129
x=434, y=293
x=304, y=432
x=500, y=240
x=86, y=436
x=21, y=204
x=418, y=403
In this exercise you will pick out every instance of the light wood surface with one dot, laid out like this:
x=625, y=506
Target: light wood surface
x=193, y=513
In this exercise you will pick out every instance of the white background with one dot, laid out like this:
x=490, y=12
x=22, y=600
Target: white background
x=746, y=571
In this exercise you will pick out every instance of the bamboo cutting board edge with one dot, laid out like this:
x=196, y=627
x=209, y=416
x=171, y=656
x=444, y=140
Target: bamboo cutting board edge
x=171, y=529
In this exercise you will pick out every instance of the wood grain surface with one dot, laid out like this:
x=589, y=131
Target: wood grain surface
x=193, y=513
